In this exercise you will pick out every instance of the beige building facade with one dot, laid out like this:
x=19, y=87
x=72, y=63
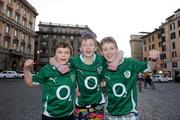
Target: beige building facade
x=170, y=37
x=17, y=33
x=165, y=39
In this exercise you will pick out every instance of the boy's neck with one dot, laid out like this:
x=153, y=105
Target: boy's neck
x=88, y=60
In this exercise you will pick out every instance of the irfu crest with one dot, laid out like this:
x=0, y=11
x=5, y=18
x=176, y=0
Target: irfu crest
x=127, y=74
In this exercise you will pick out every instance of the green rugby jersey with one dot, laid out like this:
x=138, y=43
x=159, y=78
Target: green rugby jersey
x=58, y=91
x=88, y=81
x=121, y=86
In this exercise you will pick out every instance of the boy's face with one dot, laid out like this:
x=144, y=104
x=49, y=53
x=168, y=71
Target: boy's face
x=88, y=47
x=62, y=55
x=109, y=51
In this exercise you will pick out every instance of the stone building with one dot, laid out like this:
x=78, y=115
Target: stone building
x=136, y=47
x=17, y=33
x=51, y=33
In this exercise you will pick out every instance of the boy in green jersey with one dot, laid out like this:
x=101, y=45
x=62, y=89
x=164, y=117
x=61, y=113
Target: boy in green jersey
x=58, y=96
x=121, y=90
x=89, y=65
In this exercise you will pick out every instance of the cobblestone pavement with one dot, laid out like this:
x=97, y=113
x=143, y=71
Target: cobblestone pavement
x=18, y=102
x=163, y=103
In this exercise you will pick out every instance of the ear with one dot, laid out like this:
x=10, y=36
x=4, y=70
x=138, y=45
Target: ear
x=80, y=49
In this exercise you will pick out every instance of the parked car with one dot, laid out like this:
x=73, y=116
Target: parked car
x=8, y=74
x=20, y=74
x=159, y=78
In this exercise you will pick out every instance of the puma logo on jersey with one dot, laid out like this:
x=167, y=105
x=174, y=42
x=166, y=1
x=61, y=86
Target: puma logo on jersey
x=80, y=71
x=107, y=77
x=54, y=80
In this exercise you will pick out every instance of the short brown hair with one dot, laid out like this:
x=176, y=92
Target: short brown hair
x=108, y=40
x=63, y=44
x=88, y=35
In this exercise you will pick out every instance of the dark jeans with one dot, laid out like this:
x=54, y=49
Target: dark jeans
x=71, y=117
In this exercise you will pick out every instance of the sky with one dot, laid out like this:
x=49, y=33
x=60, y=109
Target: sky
x=116, y=18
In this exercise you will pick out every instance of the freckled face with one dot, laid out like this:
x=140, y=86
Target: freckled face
x=109, y=51
x=62, y=55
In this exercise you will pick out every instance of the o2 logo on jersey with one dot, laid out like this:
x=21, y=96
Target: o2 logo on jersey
x=58, y=92
x=124, y=92
x=90, y=79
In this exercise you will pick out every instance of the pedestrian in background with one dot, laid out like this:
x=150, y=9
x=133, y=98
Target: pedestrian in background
x=58, y=87
x=140, y=80
x=148, y=81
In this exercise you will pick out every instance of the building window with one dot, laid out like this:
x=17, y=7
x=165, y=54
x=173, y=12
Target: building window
x=44, y=43
x=6, y=44
x=7, y=29
x=149, y=40
x=24, y=22
x=162, y=30
x=29, y=48
x=153, y=46
x=44, y=51
x=149, y=47
x=163, y=56
x=144, y=48
x=45, y=36
x=173, y=45
x=144, y=42
x=22, y=48
x=179, y=33
x=15, y=33
x=165, y=65
x=172, y=26
x=173, y=35
x=63, y=37
x=72, y=37
x=23, y=36
x=178, y=23
x=14, y=45
x=17, y=18
x=160, y=44
x=152, y=38
x=30, y=25
x=174, y=55
x=163, y=39
x=163, y=48
x=174, y=64
x=17, y=6
x=9, y=12
x=54, y=36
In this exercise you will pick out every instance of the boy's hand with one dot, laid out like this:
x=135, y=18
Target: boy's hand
x=28, y=63
x=153, y=55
